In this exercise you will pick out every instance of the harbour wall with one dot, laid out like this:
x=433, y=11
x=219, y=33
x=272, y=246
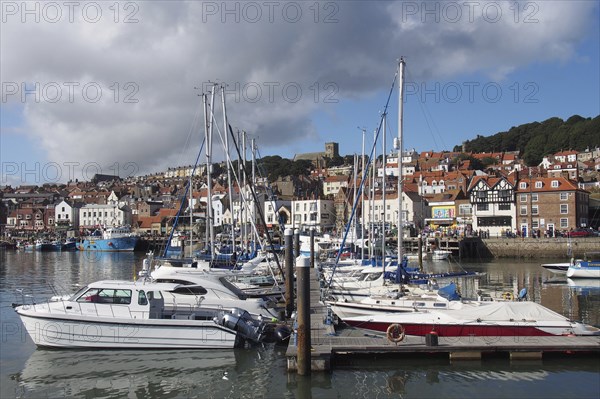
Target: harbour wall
x=533, y=248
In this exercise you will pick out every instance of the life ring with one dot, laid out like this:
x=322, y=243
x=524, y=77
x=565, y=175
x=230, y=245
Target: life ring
x=395, y=333
x=509, y=296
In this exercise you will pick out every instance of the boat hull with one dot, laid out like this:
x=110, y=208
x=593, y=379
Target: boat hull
x=478, y=319
x=113, y=244
x=589, y=272
x=558, y=268
x=130, y=334
x=465, y=330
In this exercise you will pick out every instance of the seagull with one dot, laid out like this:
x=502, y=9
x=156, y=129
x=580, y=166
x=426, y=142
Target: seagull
x=225, y=375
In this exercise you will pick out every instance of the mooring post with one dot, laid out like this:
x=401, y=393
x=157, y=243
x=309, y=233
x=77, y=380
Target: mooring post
x=303, y=342
x=289, y=273
x=312, y=247
x=296, y=243
x=420, y=251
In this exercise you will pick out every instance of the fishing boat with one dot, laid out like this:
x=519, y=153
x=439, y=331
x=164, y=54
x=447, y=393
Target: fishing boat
x=584, y=268
x=507, y=318
x=124, y=314
x=110, y=239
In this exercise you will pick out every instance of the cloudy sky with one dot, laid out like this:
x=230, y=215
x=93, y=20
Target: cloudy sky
x=115, y=87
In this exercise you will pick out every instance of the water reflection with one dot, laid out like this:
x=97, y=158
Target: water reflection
x=417, y=377
x=67, y=373
x=261, y=372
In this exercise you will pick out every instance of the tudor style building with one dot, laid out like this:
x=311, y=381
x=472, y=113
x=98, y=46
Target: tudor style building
x=493, y=202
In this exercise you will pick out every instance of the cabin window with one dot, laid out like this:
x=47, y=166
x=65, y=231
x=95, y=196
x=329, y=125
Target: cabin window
x=142, y=300
x=439, y=305
x=106, y=295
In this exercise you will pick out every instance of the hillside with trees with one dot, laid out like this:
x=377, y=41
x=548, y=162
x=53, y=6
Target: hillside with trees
x=537, y=139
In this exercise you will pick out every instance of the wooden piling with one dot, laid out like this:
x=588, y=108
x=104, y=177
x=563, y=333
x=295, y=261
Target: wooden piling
x=303, y=306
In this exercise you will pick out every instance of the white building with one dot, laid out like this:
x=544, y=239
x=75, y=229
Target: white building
x=109, y=215
x=65, y=214
x=316, y=213
x=414, y=210
x=494, y=205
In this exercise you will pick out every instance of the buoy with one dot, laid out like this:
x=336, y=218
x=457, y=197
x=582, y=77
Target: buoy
x=395, y=333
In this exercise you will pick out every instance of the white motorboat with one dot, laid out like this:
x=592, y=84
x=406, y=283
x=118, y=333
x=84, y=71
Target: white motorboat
x=213, y=291
x=558, y=268
x=123, y=314
x=440, y=254
x=584, y=269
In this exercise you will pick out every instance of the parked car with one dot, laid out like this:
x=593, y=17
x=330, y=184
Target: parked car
x=579, y=233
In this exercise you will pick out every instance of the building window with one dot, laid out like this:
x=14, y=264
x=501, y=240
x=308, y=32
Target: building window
x=465, y=209
x=564, y=209
x=538, y=184
x=481, y=194
x=535, y=210
x=522, y=185
x=504, y=207
x=554, y=183
x=534, y=197
x=564, y=196
x=564, y=223
x=535, y=224
x=523, y=198
x=483, y=207
x=523, y=210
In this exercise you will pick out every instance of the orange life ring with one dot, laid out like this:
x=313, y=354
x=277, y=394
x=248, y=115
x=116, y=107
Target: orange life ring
x=509, y=296
x=395, y=333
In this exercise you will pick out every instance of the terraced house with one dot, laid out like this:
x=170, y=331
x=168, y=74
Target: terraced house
x=551, y=204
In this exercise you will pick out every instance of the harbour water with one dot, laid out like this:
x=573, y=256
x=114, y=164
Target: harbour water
x=260, y=372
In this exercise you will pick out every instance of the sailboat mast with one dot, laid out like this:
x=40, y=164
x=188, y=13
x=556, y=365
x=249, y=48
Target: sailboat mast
x=229, y=182
x=383, y=212
x=253, y=183
x=245, y=210
x=209, y=210
x=362, y=194
x=399, y=146
x=191, y=216
x=354, y=178
x=372, y=191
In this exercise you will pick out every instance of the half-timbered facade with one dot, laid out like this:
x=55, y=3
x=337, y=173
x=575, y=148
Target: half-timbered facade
x=493, y=203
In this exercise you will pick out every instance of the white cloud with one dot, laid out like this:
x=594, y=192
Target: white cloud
x=175, y=46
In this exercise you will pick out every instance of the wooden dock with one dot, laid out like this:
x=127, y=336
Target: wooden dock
x=327, y=344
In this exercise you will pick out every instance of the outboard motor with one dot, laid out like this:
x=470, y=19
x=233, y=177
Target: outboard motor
x=241, y=321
